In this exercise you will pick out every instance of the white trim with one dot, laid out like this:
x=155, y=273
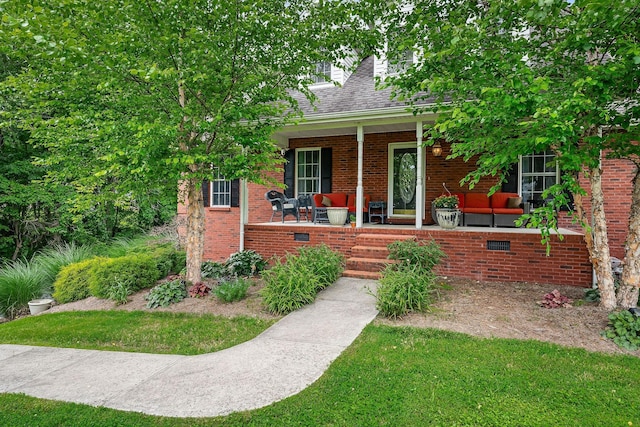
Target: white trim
x=296, y=164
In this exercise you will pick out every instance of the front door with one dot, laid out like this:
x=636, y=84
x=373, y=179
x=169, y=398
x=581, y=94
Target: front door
x=402, y=180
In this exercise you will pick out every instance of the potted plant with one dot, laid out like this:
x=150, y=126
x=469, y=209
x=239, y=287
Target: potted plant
x=352, y=221
x=447, y=212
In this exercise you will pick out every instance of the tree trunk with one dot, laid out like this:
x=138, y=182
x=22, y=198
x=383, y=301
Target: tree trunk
x=596, y=239
x=628, y=291
x=600, y=256
x=195, y=230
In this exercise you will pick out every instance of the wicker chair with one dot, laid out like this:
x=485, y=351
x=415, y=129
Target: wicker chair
x=280, y=204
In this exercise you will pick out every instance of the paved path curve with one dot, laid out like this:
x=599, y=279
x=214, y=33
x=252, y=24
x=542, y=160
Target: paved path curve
x=280, y=362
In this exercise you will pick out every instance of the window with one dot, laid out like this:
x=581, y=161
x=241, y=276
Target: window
x=308, y=171
x=402, y=63
x=537, y=173
x=323, y=72
x=220, y=190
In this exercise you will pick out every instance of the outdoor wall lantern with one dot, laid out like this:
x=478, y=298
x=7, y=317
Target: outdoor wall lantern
x=436, y=149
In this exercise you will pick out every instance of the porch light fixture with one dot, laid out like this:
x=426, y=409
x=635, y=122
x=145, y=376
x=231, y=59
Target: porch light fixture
x=436, y=149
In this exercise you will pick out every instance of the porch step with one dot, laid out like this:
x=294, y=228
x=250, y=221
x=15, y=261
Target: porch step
x=367, y=264
x=361, y=274
x=379, y=252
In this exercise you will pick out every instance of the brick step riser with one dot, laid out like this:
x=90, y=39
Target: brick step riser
x=366, y=265
x=369, y=252
x=361, y=274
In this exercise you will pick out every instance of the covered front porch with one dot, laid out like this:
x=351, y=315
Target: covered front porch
x=478, y=253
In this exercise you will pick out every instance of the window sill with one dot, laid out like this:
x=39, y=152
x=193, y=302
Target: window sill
x=219, y=208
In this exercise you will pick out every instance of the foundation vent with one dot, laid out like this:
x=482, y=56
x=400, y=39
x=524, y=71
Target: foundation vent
x=301, y=237
x=498, y=245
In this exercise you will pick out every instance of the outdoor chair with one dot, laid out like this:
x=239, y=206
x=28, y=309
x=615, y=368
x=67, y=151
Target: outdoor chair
x=319, y=212
x=280, y=204
x=305, y=206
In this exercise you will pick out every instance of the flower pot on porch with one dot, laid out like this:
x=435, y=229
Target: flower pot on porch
x=337, y=215
x=39, y=305
x=448, y=218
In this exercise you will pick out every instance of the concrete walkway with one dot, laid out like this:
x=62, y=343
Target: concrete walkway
x=282, y=361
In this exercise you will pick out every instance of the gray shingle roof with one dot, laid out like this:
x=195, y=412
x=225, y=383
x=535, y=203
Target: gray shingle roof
x=357, y=94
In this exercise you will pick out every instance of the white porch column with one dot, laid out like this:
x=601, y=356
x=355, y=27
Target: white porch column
x=359, y=188
x=244, y=211
x=419, y=185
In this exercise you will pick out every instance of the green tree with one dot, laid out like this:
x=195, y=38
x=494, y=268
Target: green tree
x=126, y=95
x=517, y=77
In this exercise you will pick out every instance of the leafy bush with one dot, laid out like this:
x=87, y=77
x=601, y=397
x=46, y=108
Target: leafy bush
x=137, y=271
x=424, y=254
x=213, y=270
x=20, y=282
x=246, y=263
x=165, y=257
x=167, y=293
x=326, y=264
x=408, y=284
x=624, y=329
x=295, y=283
x=288, y=286
x=199, y=290
x=232, y=290
x=72, y=283
x=404, y=288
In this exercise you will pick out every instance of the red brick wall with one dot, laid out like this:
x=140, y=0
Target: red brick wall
x=467, y=255
x=223, y=226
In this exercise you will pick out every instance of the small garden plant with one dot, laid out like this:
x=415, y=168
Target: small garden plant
x=409, y=283
x=232, y=290
x=167, y=293
x=624, y=330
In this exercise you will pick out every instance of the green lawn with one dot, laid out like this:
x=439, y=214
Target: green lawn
x=412, y=377
x=136, y=331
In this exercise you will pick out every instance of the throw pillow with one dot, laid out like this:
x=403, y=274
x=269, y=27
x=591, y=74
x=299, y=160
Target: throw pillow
x=326, y=201
x=514, y=202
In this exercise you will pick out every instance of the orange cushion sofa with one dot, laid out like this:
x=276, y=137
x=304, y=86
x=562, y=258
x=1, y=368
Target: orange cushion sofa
x=499, y=210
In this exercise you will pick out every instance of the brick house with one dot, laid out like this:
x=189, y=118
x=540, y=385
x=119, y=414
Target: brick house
x=353, y=142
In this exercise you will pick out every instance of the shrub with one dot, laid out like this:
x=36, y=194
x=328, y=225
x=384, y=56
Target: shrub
x=165, y=257
x=213, y=270
x=624, y=330
x=245, y=263
x=72, y=283
x=167, y=293
x=20, y=282
x=326, y=264
x=289, y=286
x=423, y=254
x=232, y=290
x=408, y=284
x=404, y=288
x=137, y=271
x=54, y=258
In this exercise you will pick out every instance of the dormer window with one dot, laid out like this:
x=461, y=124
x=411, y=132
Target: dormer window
x=323, y=72
x=400, y=63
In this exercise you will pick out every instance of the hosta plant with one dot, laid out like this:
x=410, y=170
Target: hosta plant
x=624, y=330
x=167, y=293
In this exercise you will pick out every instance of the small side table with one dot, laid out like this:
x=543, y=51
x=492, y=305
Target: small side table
x=378, y=209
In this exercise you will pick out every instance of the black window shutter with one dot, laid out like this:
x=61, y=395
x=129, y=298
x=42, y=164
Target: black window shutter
x=325, y=170
x=289, y=172
x=205, y=193
x=511, y=184
x=235, y=193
